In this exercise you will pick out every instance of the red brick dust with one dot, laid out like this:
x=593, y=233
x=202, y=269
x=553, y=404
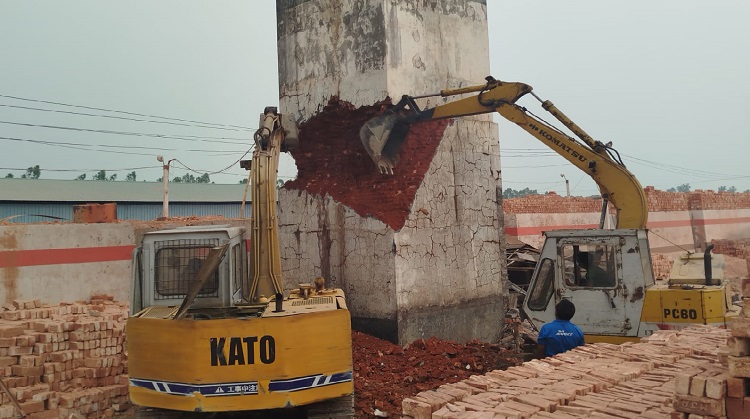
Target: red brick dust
x=332, y=160
x=385, y=374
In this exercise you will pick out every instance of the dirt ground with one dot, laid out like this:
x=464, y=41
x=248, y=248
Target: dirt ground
x=385, y=374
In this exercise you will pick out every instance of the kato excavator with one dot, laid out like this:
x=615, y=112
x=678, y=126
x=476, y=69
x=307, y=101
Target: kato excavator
x=607, y=273
x=211, y=329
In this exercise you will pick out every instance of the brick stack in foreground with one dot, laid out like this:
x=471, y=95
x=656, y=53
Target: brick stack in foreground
x=63, y=360
x=634, y=380
x=738, y=346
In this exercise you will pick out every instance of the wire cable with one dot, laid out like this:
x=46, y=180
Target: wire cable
x=129, y=147
x=137, y=134
x=119, y=117
x=124, y=112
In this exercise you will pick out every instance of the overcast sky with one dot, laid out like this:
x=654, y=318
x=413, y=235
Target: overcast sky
x=668, y=82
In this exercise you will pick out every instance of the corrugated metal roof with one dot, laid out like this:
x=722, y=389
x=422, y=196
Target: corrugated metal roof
x=32, y=212
x=81, y=191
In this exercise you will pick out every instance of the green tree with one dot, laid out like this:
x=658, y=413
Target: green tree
x=189, y=178
x=512, y=193
x=130, y=177
x=113, y=177
x=730, y=189
x=82, y=177
x=685, y=187
x=32, y=173
x=242, y=182
x=279, y=183
x=100, y=175
x=9, y=176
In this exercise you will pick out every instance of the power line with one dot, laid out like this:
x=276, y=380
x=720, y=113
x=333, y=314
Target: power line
x=121, y=118
x=65, y=143
x=137, y=134
x=682, y=170
x=83, y=170
x=125, y=112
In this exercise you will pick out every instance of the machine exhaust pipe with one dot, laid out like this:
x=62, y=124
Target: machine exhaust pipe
x=707, y=263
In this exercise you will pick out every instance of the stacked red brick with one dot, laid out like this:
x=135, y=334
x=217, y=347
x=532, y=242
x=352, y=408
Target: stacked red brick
x=738, y=346
x=63, y=360
x=734, y=248
x=700, y=392
x=596, y=380
x=552, y=203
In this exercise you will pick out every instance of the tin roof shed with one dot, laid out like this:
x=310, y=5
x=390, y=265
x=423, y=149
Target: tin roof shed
x=30, y=200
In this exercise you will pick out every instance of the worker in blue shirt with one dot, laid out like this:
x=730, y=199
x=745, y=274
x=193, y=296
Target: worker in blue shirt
x=560, y=335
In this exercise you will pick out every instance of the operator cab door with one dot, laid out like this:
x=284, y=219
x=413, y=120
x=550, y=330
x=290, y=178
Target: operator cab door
x=590, y=275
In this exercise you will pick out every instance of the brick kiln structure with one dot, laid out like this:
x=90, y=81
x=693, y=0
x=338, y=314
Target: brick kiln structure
x=418, y=253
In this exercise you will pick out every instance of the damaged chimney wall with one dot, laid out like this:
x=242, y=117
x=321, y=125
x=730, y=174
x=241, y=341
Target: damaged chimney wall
x=441, y=274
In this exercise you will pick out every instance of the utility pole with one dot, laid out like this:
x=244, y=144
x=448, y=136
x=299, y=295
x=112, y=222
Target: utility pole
x=567, y=185
x=165, y=181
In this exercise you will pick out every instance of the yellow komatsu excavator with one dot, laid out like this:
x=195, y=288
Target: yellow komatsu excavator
x=211, y=329
x=606, y=273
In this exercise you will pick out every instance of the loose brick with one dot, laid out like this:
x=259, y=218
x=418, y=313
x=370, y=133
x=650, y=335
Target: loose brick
x=739, y=366
x=416, y=409
x=699, y=405
x=716, y=387
x=737, y=387
x=32, y=407
x=738, y=346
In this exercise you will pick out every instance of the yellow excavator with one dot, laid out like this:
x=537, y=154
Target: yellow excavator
x=211, y=329
x=607, y=273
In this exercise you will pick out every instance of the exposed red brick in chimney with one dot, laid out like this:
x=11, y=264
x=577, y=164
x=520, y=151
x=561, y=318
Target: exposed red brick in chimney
x=332, y=160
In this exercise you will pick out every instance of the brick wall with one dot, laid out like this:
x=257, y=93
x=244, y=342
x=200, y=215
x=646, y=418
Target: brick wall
x=676, y=220
x=657, y=201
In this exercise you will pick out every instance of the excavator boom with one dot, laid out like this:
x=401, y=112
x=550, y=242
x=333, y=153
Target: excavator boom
x=383, y=136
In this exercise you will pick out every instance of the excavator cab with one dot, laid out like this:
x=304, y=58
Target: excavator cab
x=607, y=274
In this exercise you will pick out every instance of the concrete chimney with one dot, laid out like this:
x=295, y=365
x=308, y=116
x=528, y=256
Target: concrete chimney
x=434, y=265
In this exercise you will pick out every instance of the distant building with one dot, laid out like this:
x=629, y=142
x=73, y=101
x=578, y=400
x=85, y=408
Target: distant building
x=39, y=200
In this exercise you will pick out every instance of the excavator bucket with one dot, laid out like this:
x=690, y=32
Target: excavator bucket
x=383, y=137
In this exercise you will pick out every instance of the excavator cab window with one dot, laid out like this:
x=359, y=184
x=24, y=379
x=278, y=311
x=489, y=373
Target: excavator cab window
x=590, y=266
x=177, y=263
x=543, y=286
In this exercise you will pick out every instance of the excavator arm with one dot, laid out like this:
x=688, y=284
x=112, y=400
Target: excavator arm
x=382, y=137
x=276, y=134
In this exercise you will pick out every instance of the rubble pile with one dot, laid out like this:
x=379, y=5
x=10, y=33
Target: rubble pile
x=385, y=373
x=63, y=360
